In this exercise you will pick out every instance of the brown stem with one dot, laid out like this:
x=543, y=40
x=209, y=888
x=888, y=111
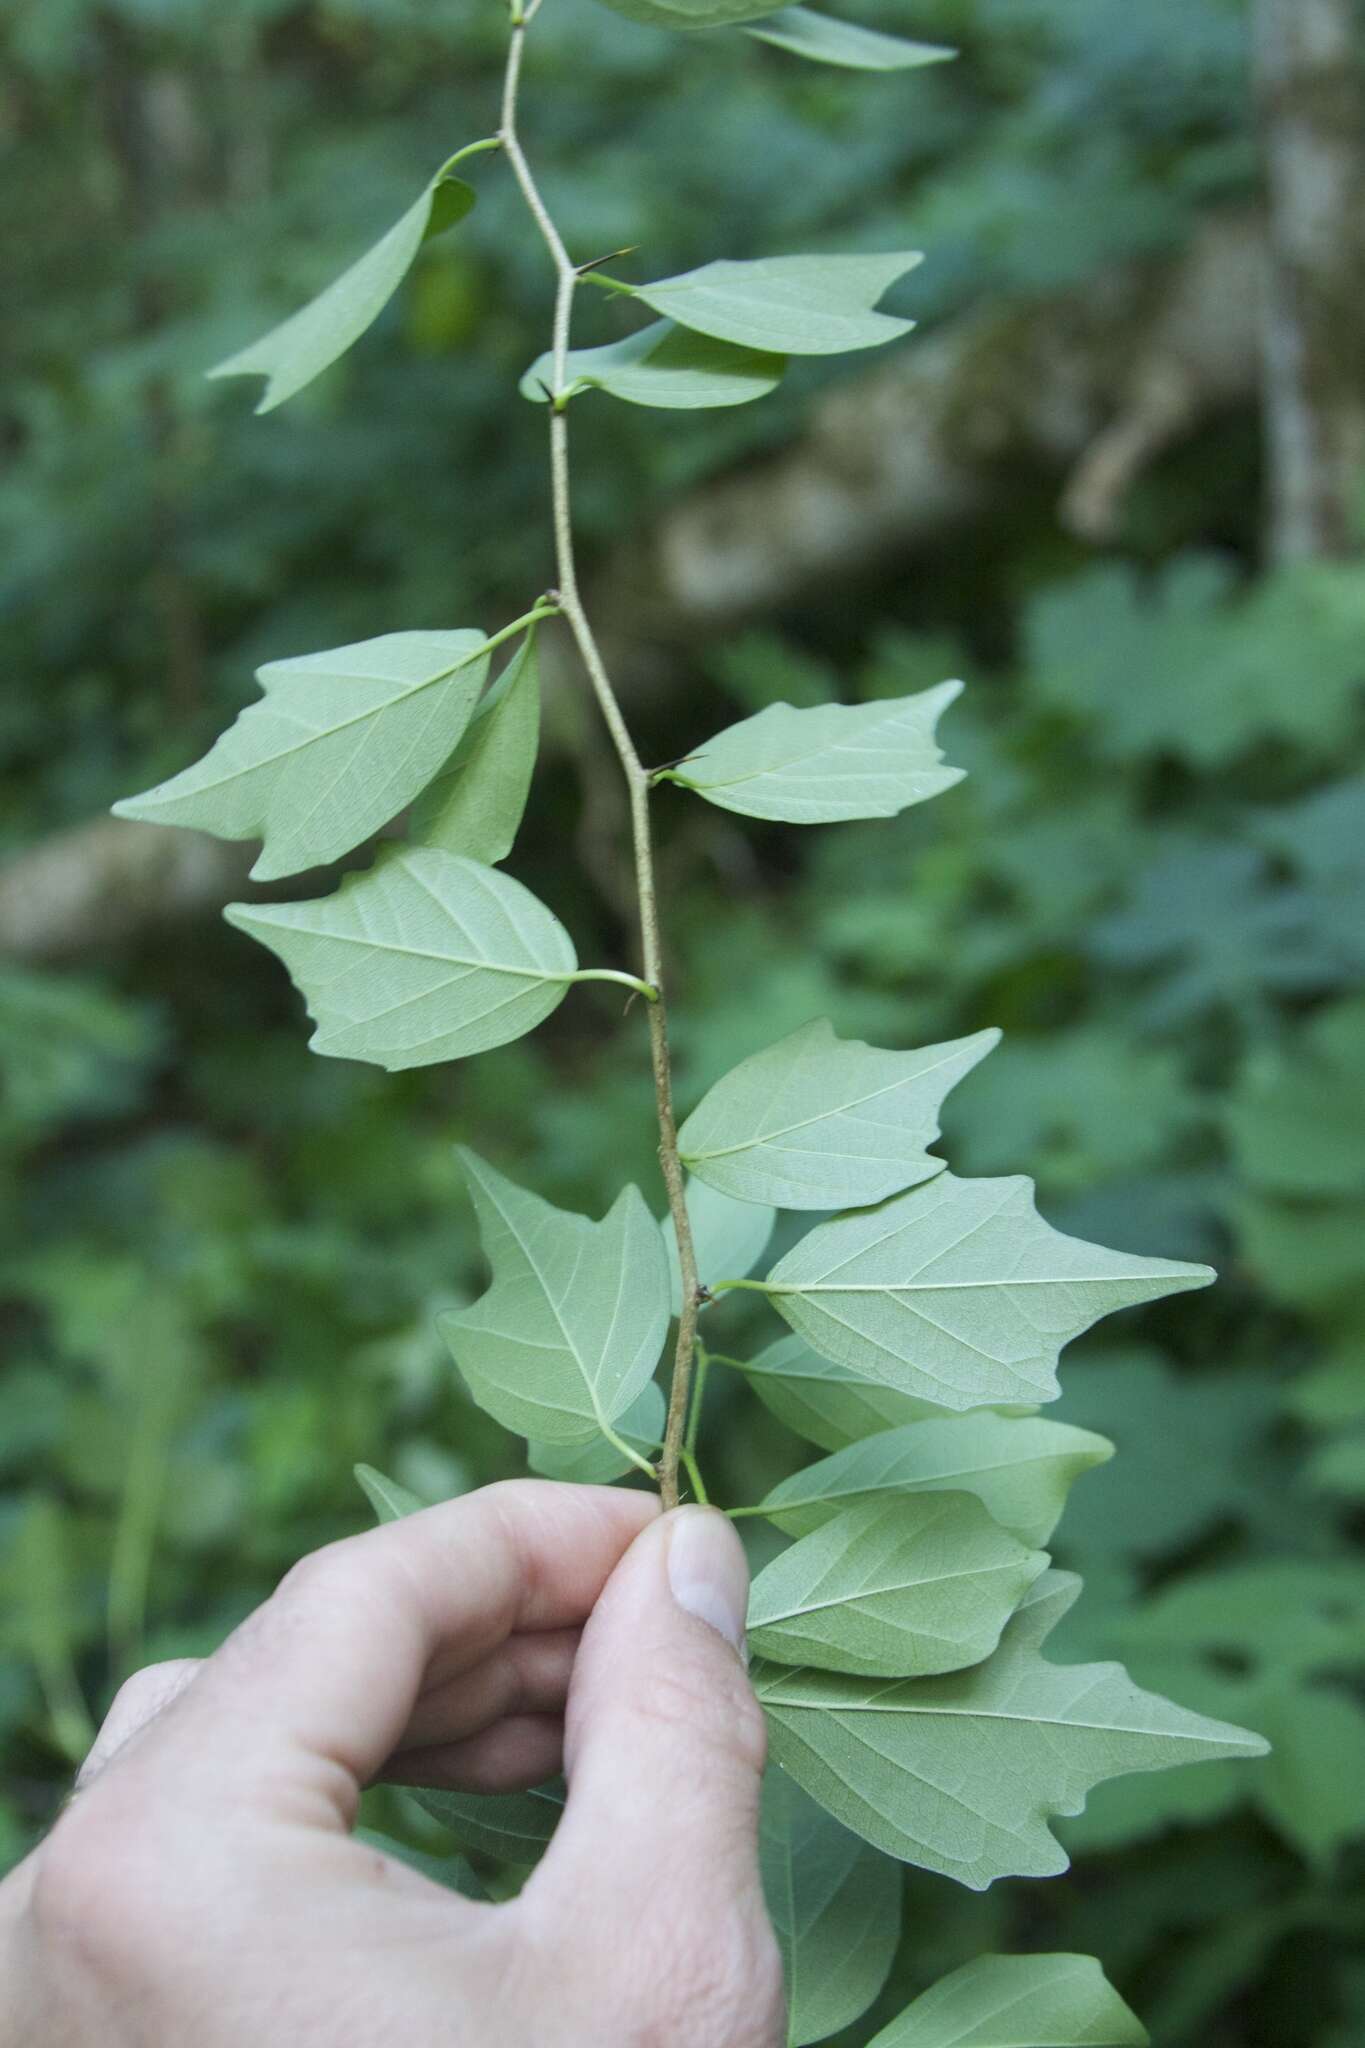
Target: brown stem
x=637, y=779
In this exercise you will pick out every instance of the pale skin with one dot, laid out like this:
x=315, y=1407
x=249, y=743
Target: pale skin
x=203, y=1886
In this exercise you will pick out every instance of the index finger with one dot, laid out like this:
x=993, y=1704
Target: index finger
x=312, y=1694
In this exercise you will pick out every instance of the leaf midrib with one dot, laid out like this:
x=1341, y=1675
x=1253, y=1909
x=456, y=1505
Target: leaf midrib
x=870, y=1592
x=824, y=1116
x=834, y=746
x=315, y=738
x=939, y=1711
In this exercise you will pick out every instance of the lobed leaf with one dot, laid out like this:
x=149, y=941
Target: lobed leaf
x=664, y=365
x=567, y=1336
x=789, y=305
x=824, y=40
x=831, y=762
x=835, y=1907
x=476, y=803
x=958, y=1291
x=824, y=1402
x=728, y=1237
x=425, y=957
x=339, y=745
x=595, y=1460
x=512, y=1826
x=896, y=1588
x=1018, y=2002
x=822, y=1122
x=961, y=1773
x=1020, y=1467
x=311, y=340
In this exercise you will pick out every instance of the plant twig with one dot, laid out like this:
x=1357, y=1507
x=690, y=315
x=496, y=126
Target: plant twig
x=637, y=778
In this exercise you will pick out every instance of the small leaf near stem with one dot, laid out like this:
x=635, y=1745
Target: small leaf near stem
x=637, y=778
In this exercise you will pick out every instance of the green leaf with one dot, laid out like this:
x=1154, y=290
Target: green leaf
x=1021, y=1467
x=898, y=1588
x=693, y=14
x=823, y=1402
x=960, y=1774
x=595, y=1460
x=791, y=305
x=1018, y=2002
x=822, y=1122
x=835, y=1908
x=512, y=1826
x=665, y=366
x=958, y=1291
x=476, y=803
x=1313, y=1786
x=451, y=1872
x=311, y=340
x=826, y=41
x=339, y=745
x=426, y=957
x=1297, y=1120
x=569, y=1333
x=832, y=762
x=728, y=1237
x=390, y=1501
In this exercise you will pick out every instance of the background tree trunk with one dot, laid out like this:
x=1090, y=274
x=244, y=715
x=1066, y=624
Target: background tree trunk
x=1312, y=115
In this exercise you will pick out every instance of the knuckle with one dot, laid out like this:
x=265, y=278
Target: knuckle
x=92, y=1900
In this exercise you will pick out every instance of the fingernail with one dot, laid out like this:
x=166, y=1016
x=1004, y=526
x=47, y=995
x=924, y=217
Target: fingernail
x=708, y=1572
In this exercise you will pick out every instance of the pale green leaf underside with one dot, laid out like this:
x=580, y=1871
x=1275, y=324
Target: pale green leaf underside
x=728, y=1237
x=824, y=1402
x=960, y=1774
x=311, y=340
x=570, y=1330
x=475, y=805
x=691, y=14
x=789, y=305
x=596, y=1461
x=896, y=1588
x=665, y=366
x=512, y=1826
x=1020, y=1467
x=390, y=1501
x=826, y=764
x=426, y=957
x=822, y=1122
x=1018, y=2002
x=835, y=1907
x=339, y=744
x=958, y=1291
x=825, y=41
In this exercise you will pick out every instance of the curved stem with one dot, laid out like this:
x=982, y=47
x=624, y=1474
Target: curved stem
x=626, y=1450
x=637, y=777
x=630, y=981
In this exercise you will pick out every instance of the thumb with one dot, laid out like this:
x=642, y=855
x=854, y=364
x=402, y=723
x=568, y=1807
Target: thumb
x=664, y=1750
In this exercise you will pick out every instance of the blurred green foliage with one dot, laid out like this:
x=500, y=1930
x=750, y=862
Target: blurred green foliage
x=221, y=1257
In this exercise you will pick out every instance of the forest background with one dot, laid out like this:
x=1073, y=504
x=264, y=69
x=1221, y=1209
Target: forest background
x=1115, y=480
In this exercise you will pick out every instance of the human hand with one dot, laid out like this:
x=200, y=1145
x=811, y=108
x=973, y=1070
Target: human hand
x=203, y=1887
